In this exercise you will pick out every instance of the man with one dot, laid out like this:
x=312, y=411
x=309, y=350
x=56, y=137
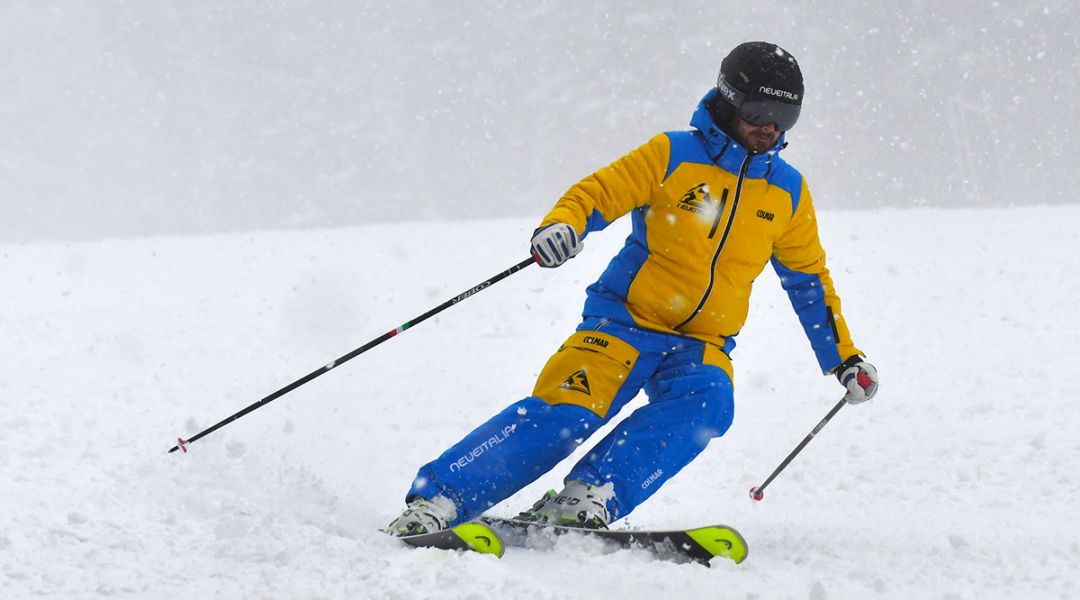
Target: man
x=710, y=208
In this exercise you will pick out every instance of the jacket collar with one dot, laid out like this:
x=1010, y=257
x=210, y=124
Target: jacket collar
x=724, y=150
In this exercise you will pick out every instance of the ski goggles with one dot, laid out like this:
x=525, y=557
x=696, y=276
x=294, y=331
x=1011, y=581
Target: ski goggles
x=758, y=110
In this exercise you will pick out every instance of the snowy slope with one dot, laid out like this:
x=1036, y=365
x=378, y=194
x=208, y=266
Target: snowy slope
x=958, y=481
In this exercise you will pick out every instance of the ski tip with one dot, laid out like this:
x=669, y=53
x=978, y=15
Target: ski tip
x=480, y=538
x=721, y=540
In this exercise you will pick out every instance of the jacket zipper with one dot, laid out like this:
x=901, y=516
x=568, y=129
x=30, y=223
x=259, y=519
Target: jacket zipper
x=723, y=240
x=719, y=213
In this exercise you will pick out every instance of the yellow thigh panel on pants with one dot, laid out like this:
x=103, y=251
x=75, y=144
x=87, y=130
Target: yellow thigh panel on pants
x=588, y=370
x=713, y=355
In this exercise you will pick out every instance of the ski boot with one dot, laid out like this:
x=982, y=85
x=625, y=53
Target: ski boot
x=424, y=516
x=578, y=505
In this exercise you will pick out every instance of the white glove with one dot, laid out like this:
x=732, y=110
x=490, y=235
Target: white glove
x=859, y=377
x=555, y=244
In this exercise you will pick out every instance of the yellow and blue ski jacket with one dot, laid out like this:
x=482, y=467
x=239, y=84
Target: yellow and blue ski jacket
x=707, y=217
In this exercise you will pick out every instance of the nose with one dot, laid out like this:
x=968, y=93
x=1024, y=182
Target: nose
x=769, y=127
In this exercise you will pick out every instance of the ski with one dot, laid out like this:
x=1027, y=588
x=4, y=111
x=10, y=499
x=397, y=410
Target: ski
x=475, y=537
x=700, y=544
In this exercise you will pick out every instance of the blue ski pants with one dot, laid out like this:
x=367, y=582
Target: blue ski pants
x=584, y=385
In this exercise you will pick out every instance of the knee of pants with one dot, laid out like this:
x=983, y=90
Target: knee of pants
x=703, y=393
x=570, y=422
x=504, y=454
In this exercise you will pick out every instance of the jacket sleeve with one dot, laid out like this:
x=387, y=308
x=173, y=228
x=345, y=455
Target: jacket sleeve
x=628, y=183
x=799, y=260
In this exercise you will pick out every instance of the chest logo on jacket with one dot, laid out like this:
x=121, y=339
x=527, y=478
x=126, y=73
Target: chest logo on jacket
x=697, y=200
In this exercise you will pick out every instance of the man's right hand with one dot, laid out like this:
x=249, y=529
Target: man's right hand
x=859, y=377
x=555, y=244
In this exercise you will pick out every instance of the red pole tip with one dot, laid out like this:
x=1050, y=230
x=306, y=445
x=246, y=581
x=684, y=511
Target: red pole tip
x=182, y=444
x=756, y=494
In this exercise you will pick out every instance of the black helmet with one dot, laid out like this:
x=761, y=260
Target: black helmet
x=763, y=83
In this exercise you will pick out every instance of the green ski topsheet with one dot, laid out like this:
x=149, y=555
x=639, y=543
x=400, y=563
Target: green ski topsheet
x=476, y=537
x=699, y=544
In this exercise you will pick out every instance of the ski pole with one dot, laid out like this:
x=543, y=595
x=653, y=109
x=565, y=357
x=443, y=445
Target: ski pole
x=182, y=443
x=758, y=492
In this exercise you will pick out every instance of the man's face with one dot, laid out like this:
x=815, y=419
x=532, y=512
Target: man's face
x=754, y=138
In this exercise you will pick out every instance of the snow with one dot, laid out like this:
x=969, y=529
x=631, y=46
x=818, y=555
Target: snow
x=958, y=481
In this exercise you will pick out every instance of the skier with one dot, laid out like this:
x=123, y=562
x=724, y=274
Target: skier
x=710, y=208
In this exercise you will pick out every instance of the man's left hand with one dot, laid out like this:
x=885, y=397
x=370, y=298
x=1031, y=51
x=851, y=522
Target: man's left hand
x=859, y=377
